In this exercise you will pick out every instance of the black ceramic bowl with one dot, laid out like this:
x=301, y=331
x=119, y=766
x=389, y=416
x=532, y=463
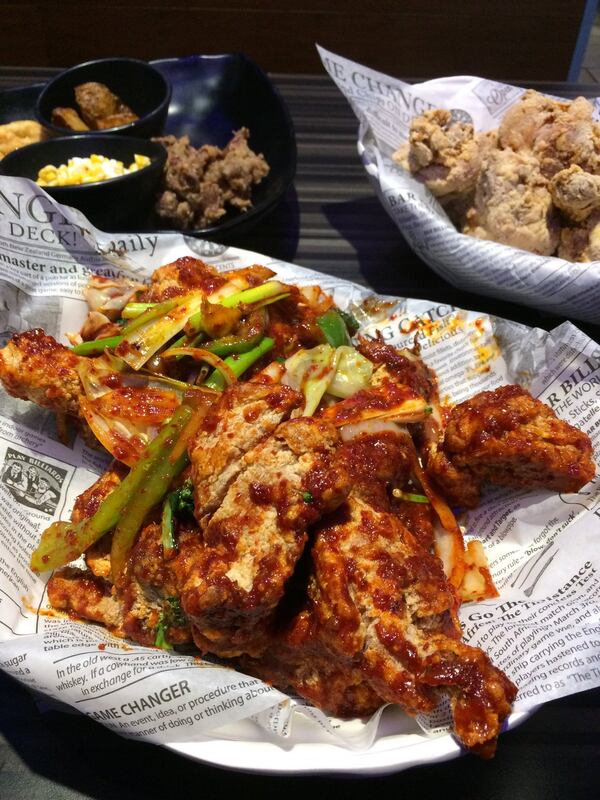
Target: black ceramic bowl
x=138, y=84
x=114, y=204
x=213, y=96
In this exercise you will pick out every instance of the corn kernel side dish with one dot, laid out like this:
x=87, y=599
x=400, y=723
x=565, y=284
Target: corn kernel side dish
x=88, y=170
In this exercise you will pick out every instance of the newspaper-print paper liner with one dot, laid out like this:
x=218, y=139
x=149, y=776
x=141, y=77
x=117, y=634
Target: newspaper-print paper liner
x=544, y=550
x=384, y=107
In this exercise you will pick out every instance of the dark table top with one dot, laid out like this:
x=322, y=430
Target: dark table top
x=331, y=221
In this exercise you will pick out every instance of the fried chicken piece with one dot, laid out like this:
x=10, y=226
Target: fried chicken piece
x=151, y=587
x=254, y=539
x=297, y=659
x=98, y=105
x=443, y=154
x=581, y=242
x=20, y=133
x=559, y=133
x=507, y=437
x=575, y=192
x=148, y=598
x=78, y=592
x=402, y=367
x=149, y=594
x=512, y=204
x=246, y=414
x=384, y=605
x=34, y=366
x=89, y=500
x=181, y=276
x=68, y=118
x=418, y=518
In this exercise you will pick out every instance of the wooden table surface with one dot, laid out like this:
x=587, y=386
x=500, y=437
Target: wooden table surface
x=330, y=221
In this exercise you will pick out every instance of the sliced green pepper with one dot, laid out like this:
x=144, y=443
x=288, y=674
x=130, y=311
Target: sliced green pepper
x=239, y=364
x=64, y=541
x=148, y=495
x=334, y=328
x=133, y=310
x=97, y=346
x=248, y=336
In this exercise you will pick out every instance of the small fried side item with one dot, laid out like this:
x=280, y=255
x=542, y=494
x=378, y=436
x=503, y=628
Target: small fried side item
x=68, y=118
x=101, y=108
x=17, y=134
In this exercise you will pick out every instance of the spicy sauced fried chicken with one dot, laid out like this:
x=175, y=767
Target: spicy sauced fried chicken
x=316, y=547
x=383, y=604
x=509, y=438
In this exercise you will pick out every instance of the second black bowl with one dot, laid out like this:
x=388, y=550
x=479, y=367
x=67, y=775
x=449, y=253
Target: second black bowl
x=114, y=204
x=138, y=84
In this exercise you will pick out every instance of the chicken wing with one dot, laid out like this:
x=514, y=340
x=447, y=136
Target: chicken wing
x=507, y=437
x=512, y=204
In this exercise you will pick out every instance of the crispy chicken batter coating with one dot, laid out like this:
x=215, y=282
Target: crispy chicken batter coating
x=581, y=242
x=507, y=437
x=443, y=154
x=512, y=204
x=575, y=192
x=559, y=133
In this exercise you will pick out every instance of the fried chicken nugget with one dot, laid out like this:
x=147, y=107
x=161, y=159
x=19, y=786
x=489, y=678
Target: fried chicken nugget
x=17, y=134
